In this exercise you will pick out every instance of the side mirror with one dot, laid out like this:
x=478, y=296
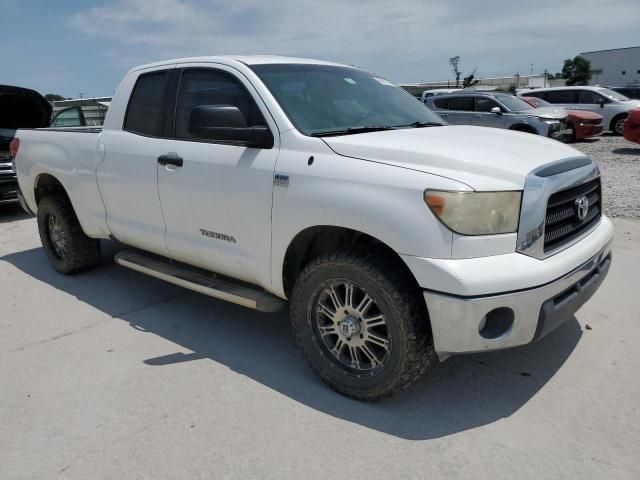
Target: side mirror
x=225, y=123
x=496, y=110
x=600, y=102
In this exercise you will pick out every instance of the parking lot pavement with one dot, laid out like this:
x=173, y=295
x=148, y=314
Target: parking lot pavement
x=112, y=374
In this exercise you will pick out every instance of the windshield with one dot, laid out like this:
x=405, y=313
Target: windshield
x=513, y=104
x=325, y=99
x=612, y=95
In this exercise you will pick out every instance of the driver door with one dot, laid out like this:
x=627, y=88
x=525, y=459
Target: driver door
x=217, y=202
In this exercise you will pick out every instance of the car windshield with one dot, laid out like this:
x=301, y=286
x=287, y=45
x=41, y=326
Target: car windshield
x=333, y=100
x=612, y=95
x=513, y=103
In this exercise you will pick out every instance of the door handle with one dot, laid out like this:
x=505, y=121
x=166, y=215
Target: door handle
x=170, y=159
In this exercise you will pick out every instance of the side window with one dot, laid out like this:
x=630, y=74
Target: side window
x=484, y=104
x=145, y=110
x=69, y=117
x=588, y=97
x=212, y=87
x=563, y=96
x=442, y=103
x=461, y=104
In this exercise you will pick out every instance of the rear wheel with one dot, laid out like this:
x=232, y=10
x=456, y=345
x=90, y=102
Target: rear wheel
x=67, y=247
x=361, y=324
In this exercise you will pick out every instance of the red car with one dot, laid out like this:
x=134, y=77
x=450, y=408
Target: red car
x=632, y=126
x=581, y=124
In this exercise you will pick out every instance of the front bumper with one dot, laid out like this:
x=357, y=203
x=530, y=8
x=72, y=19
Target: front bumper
x=586, y=130
x=522, y=297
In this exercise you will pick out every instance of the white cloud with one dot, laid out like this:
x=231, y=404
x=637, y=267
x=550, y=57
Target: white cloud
x=377, y=31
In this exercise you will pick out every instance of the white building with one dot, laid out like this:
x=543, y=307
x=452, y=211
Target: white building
x=615, y=67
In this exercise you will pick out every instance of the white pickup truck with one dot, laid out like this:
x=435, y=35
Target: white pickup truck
x=395, y=238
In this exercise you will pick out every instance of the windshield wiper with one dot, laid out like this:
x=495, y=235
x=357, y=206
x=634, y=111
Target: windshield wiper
x=420, y=125
x=352, y=130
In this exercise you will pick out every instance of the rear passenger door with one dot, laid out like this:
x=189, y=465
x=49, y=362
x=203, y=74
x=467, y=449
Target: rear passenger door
x=217, y=203
x=127, y=166
x=460, y=110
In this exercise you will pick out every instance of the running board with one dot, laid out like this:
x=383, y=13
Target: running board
x=200, y=281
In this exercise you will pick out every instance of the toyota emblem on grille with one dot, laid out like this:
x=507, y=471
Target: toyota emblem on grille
x=582, y=207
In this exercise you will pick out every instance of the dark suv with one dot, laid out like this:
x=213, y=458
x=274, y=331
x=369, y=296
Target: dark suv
x=19, y=108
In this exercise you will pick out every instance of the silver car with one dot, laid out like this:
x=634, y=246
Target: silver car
x=612, y=106
x=499, y=110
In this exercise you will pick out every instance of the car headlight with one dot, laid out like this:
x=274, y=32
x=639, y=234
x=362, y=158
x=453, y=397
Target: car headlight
x=476, y=213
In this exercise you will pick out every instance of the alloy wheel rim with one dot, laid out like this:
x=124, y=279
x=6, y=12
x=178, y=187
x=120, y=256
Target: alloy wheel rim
x=57, y=236
x=620, y=126
x=351, y=327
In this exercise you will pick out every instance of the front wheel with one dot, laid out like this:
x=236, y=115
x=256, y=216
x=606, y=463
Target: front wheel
x=361, y=324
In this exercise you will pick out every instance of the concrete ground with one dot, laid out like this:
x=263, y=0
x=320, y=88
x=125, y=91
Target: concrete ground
x=114, y=375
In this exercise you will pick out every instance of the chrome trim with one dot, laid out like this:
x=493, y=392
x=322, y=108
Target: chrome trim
x=533, y=210
x=199, y=281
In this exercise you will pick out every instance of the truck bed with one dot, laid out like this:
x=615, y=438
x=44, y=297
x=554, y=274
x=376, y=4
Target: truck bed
x=70, y=158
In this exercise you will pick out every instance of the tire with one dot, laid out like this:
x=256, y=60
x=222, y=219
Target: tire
x=409, y=348
x=67, y=247
x=617, y=124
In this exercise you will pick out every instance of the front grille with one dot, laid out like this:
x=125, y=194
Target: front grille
x=6, y=168
x=562, y=223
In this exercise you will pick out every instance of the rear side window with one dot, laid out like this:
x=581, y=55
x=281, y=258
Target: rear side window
x=145, y=111
x=563, y=96
x=212, y=87
x=461, y=103
x=441, y=103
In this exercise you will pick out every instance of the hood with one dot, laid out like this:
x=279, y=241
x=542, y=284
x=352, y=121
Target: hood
x=550, y=112
x=23, y=108
x=584, y=115
x=481, y=157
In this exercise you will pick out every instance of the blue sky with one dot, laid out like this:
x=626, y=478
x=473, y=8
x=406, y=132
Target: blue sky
x=73, y=46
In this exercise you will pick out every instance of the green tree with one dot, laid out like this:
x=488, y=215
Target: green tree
x=470, y=80
x=576, y=71
x=52, y=97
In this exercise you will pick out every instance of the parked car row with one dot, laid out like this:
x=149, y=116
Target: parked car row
x=580, y=124
x=563, y=113
x=612, y=106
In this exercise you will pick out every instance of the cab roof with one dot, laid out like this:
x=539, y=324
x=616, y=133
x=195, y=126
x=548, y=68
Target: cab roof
x=244, y=59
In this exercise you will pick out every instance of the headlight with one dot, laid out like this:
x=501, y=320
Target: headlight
x=476, y=213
